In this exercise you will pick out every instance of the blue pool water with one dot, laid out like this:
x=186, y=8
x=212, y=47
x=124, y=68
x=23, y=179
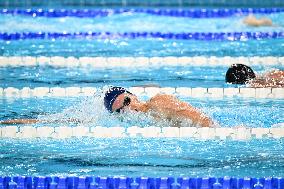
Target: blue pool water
x=137, y=156
x=189, y=76
x=138, y=22
x=142, y=157
x=135, y=22
x=227, y=112
x=141, y=47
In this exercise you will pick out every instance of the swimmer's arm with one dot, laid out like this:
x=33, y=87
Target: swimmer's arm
x=19, y=121
x=196, y=117
x=32, y=121
x=271, y=79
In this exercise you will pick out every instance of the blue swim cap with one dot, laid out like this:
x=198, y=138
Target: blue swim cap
x=111, y=95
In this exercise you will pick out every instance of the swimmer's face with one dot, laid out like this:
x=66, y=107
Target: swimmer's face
x=126, y=101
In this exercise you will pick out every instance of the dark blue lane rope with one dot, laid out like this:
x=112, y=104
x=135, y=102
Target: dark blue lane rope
x=94, y=182
x=233, y=36
x=190, y=13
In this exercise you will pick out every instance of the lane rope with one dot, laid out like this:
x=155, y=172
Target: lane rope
x=199, y=92
x=90, y=182
x=205, y=36
x=189, y=13
x=63, y=132
x=113, y=62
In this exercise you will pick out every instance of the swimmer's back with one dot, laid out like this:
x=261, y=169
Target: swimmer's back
x=164, y=101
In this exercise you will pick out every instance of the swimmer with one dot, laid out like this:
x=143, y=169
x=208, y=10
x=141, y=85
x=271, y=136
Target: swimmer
x=242, y=74
x=251, y=20
x=162, y=106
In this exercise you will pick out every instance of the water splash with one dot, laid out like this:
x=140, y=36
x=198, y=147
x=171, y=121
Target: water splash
x=91, y=112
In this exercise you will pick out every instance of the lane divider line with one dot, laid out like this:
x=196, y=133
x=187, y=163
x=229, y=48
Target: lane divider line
x=189, y=13
x=199, y=92
x=204, y=36
x=63, y=132
x=86, y=182
x=113, y=62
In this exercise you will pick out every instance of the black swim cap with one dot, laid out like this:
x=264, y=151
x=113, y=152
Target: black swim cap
x=239, y=74
x=111, y=95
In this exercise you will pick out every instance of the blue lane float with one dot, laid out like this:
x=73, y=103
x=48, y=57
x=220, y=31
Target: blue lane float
x=232, y=36
x=89, y=182
x=190, y=13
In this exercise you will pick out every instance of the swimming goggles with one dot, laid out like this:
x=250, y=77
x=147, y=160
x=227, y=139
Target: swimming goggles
x=126, y=102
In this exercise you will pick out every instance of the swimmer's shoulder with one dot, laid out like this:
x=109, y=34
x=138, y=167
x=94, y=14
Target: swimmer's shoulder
x=163, y=97
x=276, y=73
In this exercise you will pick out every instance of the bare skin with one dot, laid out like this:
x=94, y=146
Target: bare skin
x=251, y=20
x=31, y=121
x=20, y=121
x=161, y=106
x=165, y=107
x=274, y=78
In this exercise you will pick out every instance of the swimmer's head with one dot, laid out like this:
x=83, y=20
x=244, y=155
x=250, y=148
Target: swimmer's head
x=239, y=74
x=112, y=94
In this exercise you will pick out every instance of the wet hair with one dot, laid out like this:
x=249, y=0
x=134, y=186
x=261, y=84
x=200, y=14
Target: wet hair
x=239, y=74
x=111, y=95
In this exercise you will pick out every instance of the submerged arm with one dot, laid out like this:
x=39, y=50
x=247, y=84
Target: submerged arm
x=31, y=121
x=19, y=121
x=197, y=117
